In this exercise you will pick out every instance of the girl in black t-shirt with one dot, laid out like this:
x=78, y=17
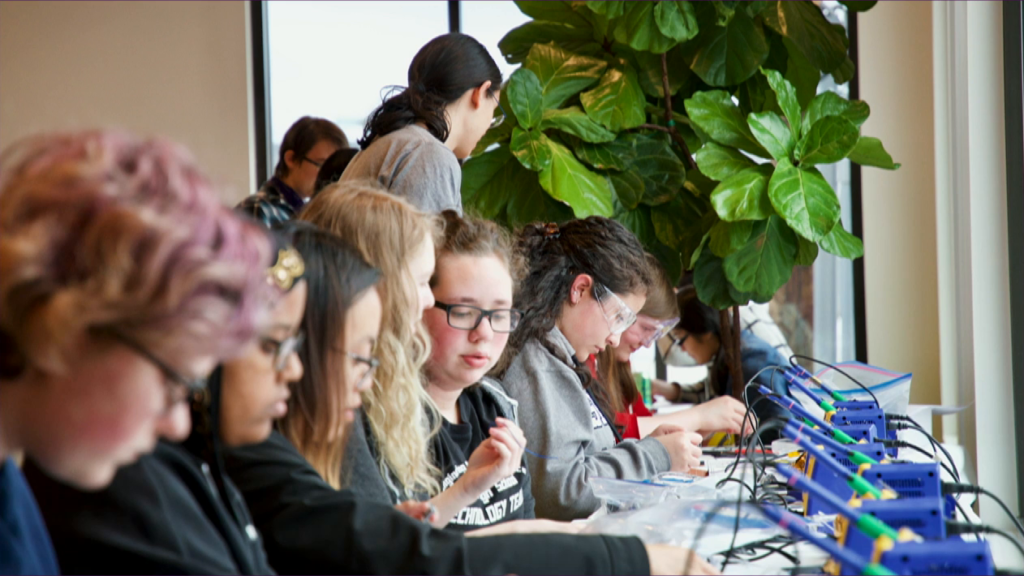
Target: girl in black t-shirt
x=469, y=327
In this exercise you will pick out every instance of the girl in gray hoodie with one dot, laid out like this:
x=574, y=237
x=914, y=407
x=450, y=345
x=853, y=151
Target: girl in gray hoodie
x=584, y=284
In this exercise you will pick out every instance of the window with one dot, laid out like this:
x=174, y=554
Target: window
x=335, y=59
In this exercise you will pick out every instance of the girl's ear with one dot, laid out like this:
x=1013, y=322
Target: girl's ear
x=580, y=285
x=289, y=160
x=480, y=94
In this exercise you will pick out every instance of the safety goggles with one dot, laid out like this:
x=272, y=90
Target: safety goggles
x=616, y=312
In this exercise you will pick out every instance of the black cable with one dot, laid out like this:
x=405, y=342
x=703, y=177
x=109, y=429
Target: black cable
x=909, y=424
x=852, y=379
x=954, y=528
x=905, y=444
x=774, y=550
x=958, y=488
x=956, y=502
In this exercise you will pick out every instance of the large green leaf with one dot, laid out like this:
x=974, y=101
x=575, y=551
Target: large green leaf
x=628, y=186
x=609, y=8
x=638, y=222
x=807, y=251
x=524, y=94
x=804, y=24
x=831, y=104
x=682, y=223
x=773, y=133
x=562, y=74
x=829, y=140
x=766, y=262
x=574, y=121
x=638, y=28
x=844, y=73
x=500, y=133
x=554, y=11
x=676, y=19
x=713, y=288
x=869, y=152
x=615, y=155
x=487, y=181
x=568, y=180
x=532, y=149
x=617, y=102
x=530, y=203
x=804, y=199
x=801, y=74
x=728, y=237
x=670, y=259
x=648, y=68
x=726, y=56
x=516, y=44
x=842, y=243
x=786, y=95
x=715, y=113
x=744, y=195
x=662, y=171
x=720, y=162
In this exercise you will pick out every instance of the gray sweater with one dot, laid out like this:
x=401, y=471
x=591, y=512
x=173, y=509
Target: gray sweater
x=412, y=163
x=560, y=419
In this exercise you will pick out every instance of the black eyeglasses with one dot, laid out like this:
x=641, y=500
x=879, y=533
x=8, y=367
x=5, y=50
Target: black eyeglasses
x=497, y=120
x=180, y=388
x=371, y=365
x=319, y=164
x=466, y=317
x=282, y=349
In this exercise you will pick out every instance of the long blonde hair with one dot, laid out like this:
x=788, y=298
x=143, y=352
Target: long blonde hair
x=387, y=231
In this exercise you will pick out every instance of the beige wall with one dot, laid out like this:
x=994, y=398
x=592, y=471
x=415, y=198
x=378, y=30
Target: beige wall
x=900, y=262
x=177, y=69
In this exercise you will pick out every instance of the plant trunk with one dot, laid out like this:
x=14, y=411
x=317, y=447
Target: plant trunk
x=736, y=358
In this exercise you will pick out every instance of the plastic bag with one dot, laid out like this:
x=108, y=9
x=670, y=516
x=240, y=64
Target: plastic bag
x=891, y=388
x=677, y=522
x=619, y=495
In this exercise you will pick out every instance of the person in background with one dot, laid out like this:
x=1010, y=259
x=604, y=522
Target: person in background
x=306, y=146
x=333, y=168
x=123, y=282
x=699, y=336
x=658, y=316
x=176, y=511
x=413, y=142
x=585, y=281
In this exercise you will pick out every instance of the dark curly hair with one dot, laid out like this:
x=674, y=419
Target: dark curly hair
x=597, y=246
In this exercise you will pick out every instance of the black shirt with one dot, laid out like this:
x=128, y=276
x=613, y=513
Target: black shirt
x=510, y=498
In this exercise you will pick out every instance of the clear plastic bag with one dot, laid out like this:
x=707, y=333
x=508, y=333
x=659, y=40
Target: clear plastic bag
x=619, y=495
x=677, y=522
x=891, y=388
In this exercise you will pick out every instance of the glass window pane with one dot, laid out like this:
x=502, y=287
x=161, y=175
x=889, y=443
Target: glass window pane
x=488, y=22
x=333, y=59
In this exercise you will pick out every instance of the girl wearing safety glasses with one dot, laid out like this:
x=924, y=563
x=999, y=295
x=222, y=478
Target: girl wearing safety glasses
x=584, y=283
x=657, y=318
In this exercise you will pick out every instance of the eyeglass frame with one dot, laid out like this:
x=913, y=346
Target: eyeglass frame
x=370, y=361
x=174, y=397
x=489, y=314
x=318, y=165
x=281, y=358
x=663, y=327
x=630, y=319
x=497, y=120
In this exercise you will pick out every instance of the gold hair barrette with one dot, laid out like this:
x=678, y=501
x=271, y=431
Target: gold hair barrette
x=288, y=268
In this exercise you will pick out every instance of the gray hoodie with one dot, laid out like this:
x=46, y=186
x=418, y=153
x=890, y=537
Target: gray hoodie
x=560, y=419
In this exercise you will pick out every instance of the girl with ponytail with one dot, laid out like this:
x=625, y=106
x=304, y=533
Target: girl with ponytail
x=413, y=142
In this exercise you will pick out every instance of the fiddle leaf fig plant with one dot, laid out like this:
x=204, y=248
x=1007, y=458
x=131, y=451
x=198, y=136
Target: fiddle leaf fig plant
x=697, y=125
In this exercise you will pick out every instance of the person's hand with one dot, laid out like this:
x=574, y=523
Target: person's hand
x=666, y=429
x=422, y=511
x=667, y=389
x=723, y=414
x=683, y=449
x=496, y=458
x=528, y=526
x=666, y=559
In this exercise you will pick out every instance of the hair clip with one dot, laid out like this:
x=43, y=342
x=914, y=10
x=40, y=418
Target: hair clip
x=288, y=268
x=551, y=230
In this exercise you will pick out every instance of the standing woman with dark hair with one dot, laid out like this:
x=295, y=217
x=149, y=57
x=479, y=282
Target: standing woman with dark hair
x=413, y=142
x=306, y=146
x=585, y=283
